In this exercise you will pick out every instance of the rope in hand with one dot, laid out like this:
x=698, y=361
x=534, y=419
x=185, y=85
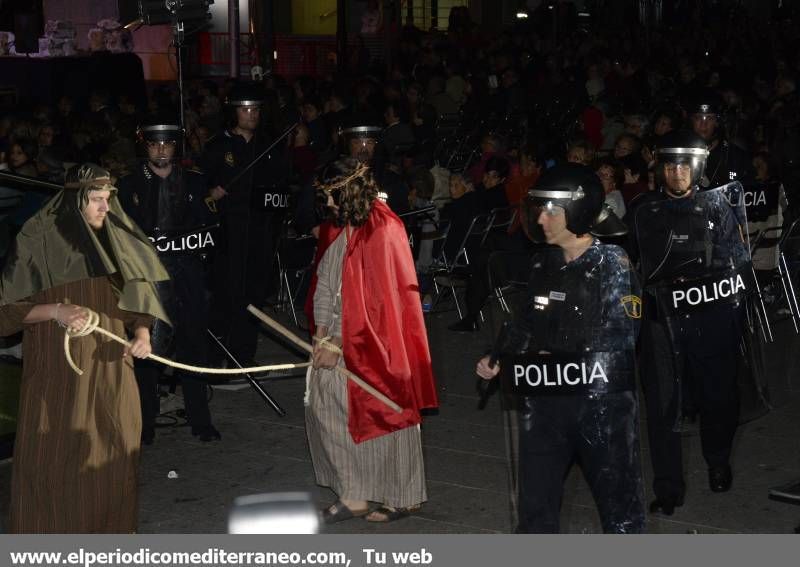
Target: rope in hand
x=93, y=326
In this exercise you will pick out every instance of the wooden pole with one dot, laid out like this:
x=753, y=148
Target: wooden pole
x=286, y=333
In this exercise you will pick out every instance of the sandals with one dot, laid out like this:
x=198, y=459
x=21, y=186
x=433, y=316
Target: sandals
x=338, y=512
x=384, y=514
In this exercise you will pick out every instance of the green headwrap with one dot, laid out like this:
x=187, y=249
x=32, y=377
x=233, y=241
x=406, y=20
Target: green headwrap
x=57, y=246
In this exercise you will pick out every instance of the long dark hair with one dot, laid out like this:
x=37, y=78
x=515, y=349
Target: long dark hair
x=353, y=188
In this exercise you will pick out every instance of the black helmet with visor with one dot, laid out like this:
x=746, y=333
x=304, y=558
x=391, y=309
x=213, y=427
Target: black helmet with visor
x=681, y=149
x=571, y=187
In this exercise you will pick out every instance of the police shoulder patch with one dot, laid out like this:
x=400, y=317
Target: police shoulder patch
x=229, y=159
x=632, y=304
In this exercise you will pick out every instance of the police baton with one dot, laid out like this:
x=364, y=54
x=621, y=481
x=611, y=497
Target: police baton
x=253, y=382
x=24, y=182
x=260, y=156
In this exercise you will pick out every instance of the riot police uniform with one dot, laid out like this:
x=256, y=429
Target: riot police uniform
x=251, y=214
x=689, y=242
x=573, y=365
x=172, y=211
x=726, y=162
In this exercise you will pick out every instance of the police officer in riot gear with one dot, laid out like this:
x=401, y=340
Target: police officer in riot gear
x=570, y=356
x=726, y=162
x=691, y=245
x=251, y=205
x=168, y=203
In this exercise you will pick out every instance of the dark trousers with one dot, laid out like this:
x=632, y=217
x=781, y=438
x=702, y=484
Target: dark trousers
x=600, y=433
x=704, y=368
x=241, y=276
x=195, y=396
x=189, y=315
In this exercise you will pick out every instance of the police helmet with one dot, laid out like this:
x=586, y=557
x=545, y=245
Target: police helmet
x=573, y=187
x=160, y=130
x=705, y=102
x=162, y=133
x=681, y=148
x=245, y=94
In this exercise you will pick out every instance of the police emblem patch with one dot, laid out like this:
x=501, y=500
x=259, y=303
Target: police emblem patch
x=229, y=159
x=633, y=306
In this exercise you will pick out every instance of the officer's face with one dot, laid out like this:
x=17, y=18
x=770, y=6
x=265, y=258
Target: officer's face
x=678, y=179
x=247, y=117
x=362, y=148
x=160, y=154
x=554, y=225
x=704, y=125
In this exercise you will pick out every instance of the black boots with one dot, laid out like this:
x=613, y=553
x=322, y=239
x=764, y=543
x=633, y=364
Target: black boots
x=206, y=433
x=666, y=505
x=720, y=478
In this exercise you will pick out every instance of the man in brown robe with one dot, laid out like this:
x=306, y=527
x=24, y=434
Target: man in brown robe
x=77, y=445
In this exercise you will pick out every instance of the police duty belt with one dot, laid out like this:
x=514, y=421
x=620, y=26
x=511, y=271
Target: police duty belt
x=93, y=326
x=537, y=374
x=680, y=297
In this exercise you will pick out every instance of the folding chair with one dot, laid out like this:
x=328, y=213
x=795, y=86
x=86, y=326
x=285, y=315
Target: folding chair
x=295, y=259
x=788, y=267
x=501, y=220
x=456, y=271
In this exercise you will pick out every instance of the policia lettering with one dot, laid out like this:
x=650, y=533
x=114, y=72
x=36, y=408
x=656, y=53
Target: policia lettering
x=276, y=200
x=753, y=198
x=190, y=242
x=708, y=293
x=546, y=375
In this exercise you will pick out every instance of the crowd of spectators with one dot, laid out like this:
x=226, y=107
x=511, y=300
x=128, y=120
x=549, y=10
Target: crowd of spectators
x=471, y=116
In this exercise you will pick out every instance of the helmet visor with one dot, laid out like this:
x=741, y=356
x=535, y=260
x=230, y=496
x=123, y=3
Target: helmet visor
x=532, y=209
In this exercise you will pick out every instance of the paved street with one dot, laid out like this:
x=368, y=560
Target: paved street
x=465, y=452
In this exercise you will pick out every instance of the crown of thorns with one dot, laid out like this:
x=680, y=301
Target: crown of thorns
x=343, y=182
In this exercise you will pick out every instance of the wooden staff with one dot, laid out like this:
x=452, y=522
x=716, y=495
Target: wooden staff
x=272, y=323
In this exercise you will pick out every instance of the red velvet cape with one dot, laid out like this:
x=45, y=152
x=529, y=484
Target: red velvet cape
x=383, y=331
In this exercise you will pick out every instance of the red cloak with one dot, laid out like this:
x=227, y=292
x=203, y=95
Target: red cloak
x=383, y=331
